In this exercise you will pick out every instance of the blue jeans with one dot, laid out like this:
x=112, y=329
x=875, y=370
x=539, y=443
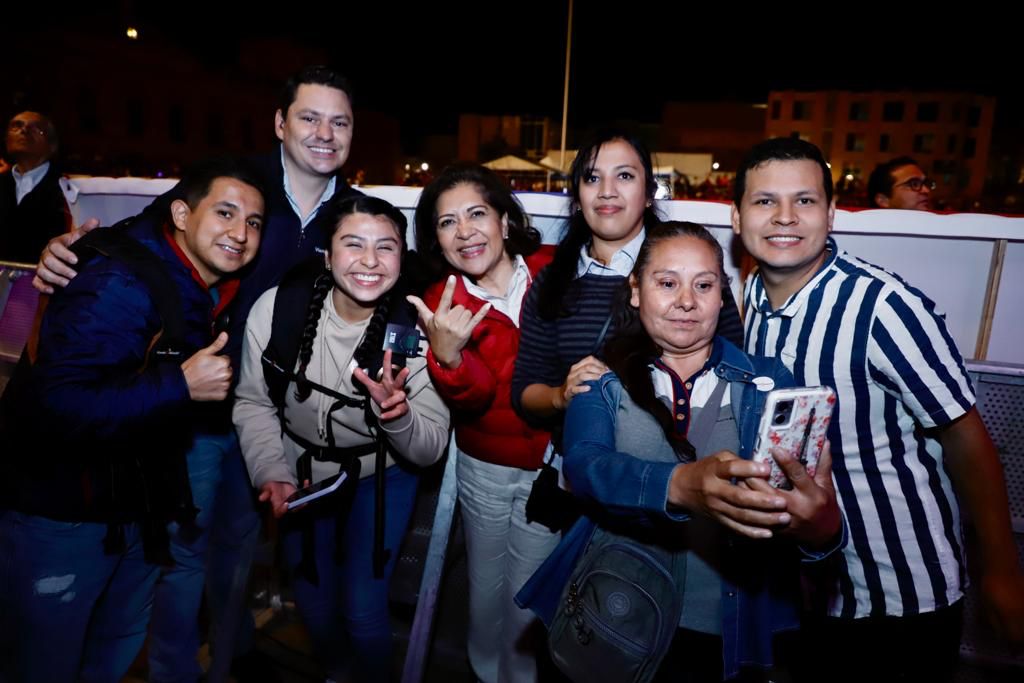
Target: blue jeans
x=68, y=611
x=236, y=526
x=227, y=519
x=347, y=612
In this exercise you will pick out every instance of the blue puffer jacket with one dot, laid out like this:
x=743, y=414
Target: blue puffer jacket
x=92, y=403
x=763, y=598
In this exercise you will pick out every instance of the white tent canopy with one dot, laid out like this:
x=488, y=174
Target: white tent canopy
x=692, y=165
x=514, y=164
x=550, y=162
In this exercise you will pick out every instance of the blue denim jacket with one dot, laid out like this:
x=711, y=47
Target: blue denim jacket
x=764, y=598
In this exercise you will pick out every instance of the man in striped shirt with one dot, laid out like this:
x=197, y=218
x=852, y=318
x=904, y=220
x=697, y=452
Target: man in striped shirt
x=904, y=437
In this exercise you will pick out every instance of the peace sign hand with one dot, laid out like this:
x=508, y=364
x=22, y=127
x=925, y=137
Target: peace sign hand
x=389, y=393
x=448, y=329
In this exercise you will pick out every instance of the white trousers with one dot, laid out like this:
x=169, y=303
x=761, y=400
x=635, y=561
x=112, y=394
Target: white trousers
x=503, y=550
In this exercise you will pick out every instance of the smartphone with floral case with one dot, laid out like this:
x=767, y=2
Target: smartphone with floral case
x=795, y=421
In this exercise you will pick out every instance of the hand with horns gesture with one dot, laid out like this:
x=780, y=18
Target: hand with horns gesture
x=447, y=328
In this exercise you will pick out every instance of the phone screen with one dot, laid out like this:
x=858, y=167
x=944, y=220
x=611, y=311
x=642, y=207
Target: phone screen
x=317, y=490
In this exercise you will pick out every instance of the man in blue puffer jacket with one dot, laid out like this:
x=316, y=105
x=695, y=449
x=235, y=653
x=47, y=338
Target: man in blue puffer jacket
x=96, y=431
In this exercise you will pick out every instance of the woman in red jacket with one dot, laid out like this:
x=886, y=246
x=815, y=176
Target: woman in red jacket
x=474, y=234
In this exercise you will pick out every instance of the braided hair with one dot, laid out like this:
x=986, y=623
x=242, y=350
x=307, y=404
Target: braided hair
x=321, y=287
x=366, y=354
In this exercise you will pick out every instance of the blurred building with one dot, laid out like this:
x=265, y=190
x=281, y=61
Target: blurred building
x=725, y=130
x=949, y=133
x=147, y=107
x=486, y=137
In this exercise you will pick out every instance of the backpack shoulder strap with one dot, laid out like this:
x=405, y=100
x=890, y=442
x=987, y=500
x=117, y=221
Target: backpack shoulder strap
x=290, y=308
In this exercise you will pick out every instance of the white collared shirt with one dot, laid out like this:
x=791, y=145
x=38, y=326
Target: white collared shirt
x=328, y=193
x=512, y=302
x=26, y=182
x=621, y=263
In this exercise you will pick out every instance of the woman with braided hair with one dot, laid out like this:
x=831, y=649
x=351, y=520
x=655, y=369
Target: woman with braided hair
x=340, y=597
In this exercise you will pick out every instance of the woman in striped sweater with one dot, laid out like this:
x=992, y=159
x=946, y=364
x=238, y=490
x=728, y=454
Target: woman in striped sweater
x=566, y=315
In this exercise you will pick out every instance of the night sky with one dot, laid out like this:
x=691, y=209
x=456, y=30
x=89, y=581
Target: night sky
x=426, y=62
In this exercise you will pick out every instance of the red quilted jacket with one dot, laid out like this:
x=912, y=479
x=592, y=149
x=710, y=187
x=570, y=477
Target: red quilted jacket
x=479, y=390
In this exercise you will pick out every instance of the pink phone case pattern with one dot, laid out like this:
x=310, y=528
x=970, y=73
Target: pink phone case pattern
x=791, y=438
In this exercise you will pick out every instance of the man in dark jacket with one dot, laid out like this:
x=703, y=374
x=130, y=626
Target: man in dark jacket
x=314, y=123
x=97, y=428
x=32, y=205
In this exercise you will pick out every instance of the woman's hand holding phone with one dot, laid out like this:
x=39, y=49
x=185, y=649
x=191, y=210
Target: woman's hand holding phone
x=276, y=493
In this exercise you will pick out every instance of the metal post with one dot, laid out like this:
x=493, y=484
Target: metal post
x=988, y=309
x=565, y=92
x=433, y=568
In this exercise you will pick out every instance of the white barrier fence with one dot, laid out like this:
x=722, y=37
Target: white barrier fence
x=971, y=265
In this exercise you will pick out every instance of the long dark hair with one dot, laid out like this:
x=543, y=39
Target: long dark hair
x=558, y=289
x=630, y=350
x=522, y=237
x=373, y=338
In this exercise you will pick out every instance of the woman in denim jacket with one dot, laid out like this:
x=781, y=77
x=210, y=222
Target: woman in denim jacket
x=629, y=458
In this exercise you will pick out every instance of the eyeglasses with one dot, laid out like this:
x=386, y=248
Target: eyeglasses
x=30, y=128
x=916, y=184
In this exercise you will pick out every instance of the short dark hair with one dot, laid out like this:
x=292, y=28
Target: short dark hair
x=522, y=237
x=881, y=181
x=198, y=179
x=781, y=149
x=316, y=74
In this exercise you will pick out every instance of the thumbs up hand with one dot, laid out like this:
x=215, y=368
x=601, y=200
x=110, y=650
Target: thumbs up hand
x=207, y=374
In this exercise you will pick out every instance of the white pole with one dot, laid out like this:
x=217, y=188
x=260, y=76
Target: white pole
x=565, y=93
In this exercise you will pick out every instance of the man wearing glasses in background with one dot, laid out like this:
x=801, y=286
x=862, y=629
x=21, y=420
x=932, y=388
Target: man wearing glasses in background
x=32, y=205
x=900, y=184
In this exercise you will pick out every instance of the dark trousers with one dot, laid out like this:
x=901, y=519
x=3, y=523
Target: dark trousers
x=697, y=658
x=921, y=647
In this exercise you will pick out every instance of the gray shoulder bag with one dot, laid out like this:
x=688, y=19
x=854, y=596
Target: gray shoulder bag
x=622, y=604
